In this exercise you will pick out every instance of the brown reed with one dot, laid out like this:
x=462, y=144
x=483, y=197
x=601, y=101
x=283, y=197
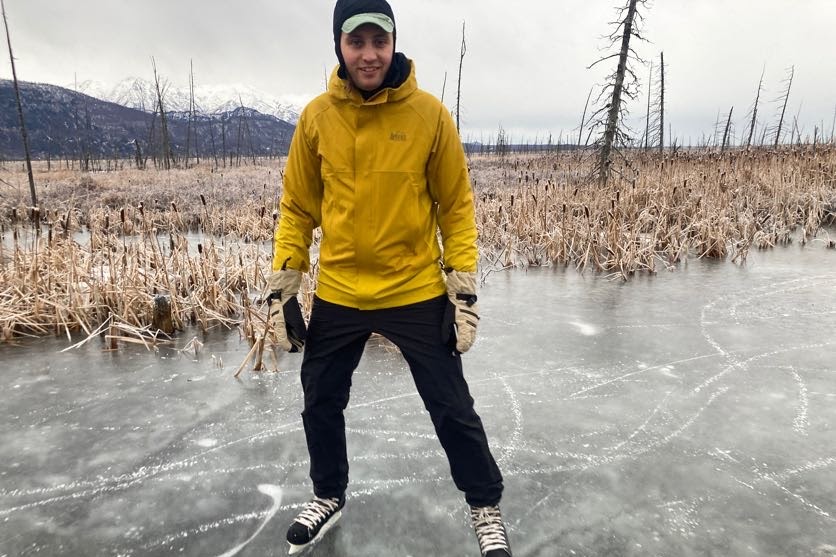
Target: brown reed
x=108, y=243
x=537, y=210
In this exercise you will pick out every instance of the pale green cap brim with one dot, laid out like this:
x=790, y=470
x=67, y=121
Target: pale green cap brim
x=381, y=20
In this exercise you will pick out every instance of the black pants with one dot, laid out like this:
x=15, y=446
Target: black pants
x=336, y=338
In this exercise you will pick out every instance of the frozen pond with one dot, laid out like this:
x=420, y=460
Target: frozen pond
x=690, y=413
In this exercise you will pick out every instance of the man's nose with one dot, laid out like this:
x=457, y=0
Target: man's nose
x=369, y=53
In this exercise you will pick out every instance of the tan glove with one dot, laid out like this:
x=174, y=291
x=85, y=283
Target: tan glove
x=461, y=290
x=283, y=286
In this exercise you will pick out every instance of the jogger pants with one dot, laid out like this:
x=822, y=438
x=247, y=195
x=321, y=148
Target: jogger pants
x=336, y=338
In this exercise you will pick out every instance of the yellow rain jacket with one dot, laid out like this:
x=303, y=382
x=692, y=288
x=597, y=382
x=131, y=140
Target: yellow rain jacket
x=380, y=177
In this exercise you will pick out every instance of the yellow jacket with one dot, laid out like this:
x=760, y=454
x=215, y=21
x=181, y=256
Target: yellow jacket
x=380, y=177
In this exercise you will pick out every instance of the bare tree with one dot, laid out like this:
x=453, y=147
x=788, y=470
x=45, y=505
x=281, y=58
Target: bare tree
x=647, y=120
x=140, y=163
x=661, y=102
x=833, y=127
x=617, y=88
x=166, y=142
x=191, y=114
x=726, y=132
x=224, y=118
x=459, y=87
x=796, y=129
x=194, y=108
x=786, y=97
x=23, y=134
x=443, y=87
x=714, y=138
x=212, y=137
x=152, y=127
x=501, y=142
x=87, y=151
x=754, y=112
x=239, y=138
x=656, y=107
x=583, y=118
x=246, y=122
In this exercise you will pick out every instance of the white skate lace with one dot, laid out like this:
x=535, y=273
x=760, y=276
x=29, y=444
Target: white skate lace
x=317, y=511
x=487, y=522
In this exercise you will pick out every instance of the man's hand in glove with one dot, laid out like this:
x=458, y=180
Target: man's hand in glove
x=285, y=315
x=461, y=290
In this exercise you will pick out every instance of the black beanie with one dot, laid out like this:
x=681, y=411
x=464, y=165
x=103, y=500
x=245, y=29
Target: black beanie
x=345, y=9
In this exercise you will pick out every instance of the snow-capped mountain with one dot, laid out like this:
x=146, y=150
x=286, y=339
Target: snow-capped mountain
x=64, y=124
x=141, y=94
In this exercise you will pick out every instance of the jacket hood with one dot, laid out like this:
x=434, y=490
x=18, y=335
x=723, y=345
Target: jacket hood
x=345, y=9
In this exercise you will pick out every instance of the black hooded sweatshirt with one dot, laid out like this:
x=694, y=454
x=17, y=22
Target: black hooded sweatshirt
x=345, y=9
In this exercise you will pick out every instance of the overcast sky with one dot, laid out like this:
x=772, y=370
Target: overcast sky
x=525, y=67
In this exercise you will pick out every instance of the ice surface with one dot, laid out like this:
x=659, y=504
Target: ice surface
x=690, y=413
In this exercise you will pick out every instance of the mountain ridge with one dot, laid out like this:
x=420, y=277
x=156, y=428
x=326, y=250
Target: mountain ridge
x=65, y=124
x=141, y=94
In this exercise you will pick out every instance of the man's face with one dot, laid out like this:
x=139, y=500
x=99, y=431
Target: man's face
x=368, y=52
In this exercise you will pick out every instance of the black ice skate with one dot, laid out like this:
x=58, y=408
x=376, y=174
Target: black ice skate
x=490, y=531
x=318, y=516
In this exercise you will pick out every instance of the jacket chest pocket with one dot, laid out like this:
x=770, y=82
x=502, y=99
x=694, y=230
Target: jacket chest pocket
x=402, y=210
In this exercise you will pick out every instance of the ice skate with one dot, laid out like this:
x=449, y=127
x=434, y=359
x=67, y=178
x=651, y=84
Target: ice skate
x=318, y=516
x=490, y=531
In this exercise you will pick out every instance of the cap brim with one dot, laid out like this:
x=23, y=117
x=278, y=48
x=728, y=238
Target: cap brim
x=381, y=20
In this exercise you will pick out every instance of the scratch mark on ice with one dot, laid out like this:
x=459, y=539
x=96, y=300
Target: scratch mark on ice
x=275, y=493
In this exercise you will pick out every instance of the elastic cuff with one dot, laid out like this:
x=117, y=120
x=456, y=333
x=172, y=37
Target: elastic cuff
x=488, y=497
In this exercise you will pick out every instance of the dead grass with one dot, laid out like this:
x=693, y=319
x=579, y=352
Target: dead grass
x=537, y=210
x=109, y=242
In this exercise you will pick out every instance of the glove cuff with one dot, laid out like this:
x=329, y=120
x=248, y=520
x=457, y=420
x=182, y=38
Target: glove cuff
x=459, y=282
x=287, y=282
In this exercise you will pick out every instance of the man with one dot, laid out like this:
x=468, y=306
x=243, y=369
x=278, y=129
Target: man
x=378, y=165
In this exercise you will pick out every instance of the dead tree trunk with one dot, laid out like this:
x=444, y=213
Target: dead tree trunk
x=239, y=139
x=754, y=121
x=647, y=122
x=833, y=128
x=194, y=118
x=247, y=130
x=212, y=138
x=191, y=116
x=166, y=140
x=24, y=136
x=138, y=155
x=152, y=127
x=583, y=118
x=714, y=138
x=784, y=107
x=662, y=102
x=726, y=132
x=223, y=138
x=605, y=156
x=459, y=87
x=443, y=87
x=88, y=137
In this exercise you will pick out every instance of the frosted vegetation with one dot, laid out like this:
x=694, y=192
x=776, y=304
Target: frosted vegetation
x=109, y=242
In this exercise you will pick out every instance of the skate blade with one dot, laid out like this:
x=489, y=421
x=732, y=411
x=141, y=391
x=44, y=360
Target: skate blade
x=295, y=549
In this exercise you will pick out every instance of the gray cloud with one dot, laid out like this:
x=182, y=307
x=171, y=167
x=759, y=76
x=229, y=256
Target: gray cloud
x=525, y=67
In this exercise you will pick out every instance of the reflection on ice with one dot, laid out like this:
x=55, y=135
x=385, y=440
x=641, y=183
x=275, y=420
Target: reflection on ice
x=584, y=328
